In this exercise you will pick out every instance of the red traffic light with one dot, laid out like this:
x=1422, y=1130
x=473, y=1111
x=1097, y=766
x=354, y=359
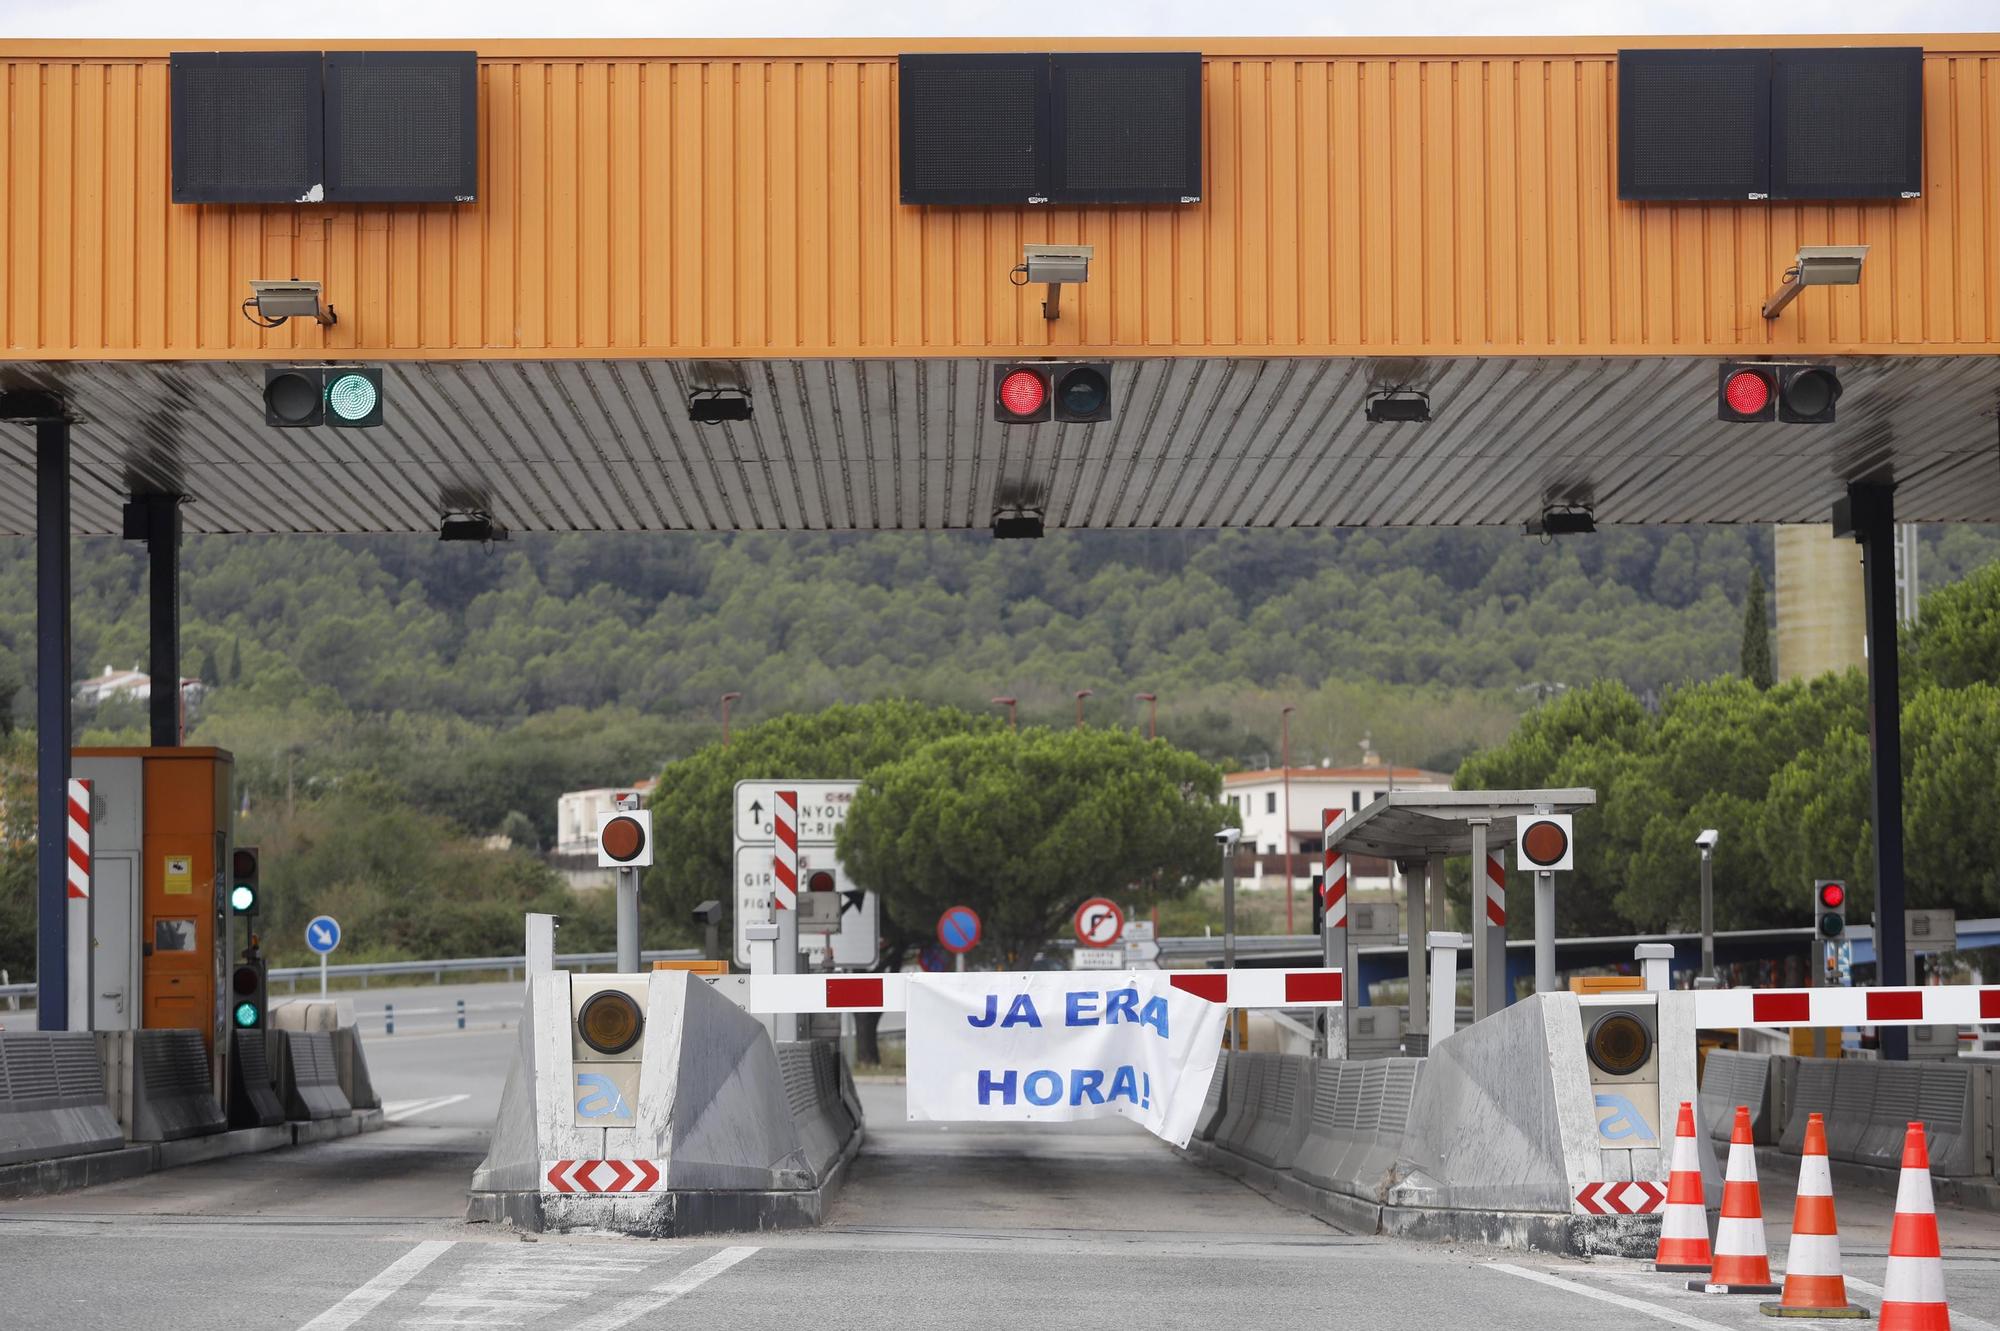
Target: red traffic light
x=1023, y=394
x=1748, y=392
x=623, y=839
x=819, y=880
x=1832, y=895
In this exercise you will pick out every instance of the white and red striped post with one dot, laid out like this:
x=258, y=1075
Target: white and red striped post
x=78, y=905
x=1333, y=928
x=785, y=849
x=785, y=897
x=1489, y=926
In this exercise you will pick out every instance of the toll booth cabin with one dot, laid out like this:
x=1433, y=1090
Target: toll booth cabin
x=162, y=837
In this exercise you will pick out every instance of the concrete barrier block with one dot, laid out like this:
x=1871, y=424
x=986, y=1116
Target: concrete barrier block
x=1854, y=1083
x=1319, y=1155
x=1678, y=1025
x=253, y=1099
x=1388, y=1089
x=171, y=1094
x=312, y=1014
x=1812, y=1093
x=352, y=1066
x=1284, y=1112
x=1898, y=1099
x=816, y=1133
x=1942, y=1096
x=308, y=1079
x=1502, y=1118
x=1247, y=1073
x=1733, y=1078
x=53, y=1100
x=1212, y=1101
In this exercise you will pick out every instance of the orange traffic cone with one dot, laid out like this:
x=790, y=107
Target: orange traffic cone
x=1913, y=1290
x=1814, y=1286
x=1684, y=1224
x=1742, y=1262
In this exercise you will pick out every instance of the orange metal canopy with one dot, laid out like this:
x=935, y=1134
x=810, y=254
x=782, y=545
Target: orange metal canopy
x=736, y=199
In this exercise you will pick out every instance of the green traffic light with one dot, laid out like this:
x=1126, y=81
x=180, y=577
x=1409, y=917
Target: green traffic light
x=246, y=1015
x=243, y=898
x=352, y=397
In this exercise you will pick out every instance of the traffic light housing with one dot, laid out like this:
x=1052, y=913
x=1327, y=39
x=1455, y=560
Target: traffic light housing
x=243, y=888
x=249, y=990
x=1749, y=392
x=1830, y=909
x=1068, y=392
x=347, y=397
x=1319, y=903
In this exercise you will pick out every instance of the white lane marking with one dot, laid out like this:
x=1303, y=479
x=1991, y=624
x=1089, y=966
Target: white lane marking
x=611, y=1319
x=396, y=1110
x=1957, y=1318
x=1606, y=1296
x=360, y=1302
x=511, y=1285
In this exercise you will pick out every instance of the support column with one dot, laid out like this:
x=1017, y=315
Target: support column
x=156, y=519
x=1482, y=956
x=1869, y=515
x=1413, y=924
x=52, y=723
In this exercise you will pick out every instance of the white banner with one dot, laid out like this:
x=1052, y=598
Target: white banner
x=1053, y=1046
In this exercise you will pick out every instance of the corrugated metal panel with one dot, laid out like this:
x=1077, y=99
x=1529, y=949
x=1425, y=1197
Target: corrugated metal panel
x=910, y=444
x=741, y=200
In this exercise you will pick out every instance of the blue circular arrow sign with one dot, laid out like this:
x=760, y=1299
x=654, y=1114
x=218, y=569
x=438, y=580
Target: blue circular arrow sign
x=323, y=934
x=958, y=929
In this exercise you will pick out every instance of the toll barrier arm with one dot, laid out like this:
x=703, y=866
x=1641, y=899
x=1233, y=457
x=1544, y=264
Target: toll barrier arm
x=1312, y=988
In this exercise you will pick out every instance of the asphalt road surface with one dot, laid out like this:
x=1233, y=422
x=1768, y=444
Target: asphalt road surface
x=1088, y=1225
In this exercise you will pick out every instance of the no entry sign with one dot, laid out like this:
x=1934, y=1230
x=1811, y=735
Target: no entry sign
x=1099, y=922
x=958, y=929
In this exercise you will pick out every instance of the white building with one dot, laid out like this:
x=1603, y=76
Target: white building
x=579, y=811
x=1259, y=799
x=135, y=684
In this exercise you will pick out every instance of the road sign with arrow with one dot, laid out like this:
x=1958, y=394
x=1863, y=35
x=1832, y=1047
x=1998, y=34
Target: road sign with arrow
x=823, y=808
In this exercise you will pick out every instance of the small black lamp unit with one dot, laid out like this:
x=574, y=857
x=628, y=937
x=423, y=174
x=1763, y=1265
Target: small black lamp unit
x=1563, y=520
x=470, y=526
x=1024, y=524
x=715, y=406
x=1399, y=406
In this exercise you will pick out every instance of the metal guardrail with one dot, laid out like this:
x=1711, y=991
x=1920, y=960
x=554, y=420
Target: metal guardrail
x=291, y=976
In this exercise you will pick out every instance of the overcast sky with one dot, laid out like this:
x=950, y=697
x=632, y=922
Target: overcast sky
x=993, y=18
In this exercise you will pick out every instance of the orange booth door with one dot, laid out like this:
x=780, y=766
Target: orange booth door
x=186, y=847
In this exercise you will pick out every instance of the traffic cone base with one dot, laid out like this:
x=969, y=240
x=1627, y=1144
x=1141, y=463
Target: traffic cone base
x=1783, y=1310
x=1684, y=1222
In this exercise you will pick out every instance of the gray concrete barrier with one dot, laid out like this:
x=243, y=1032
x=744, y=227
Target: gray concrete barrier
x=307, y=1077
x=743, y=1134
x=1731, y=1078
x=1212, y=1102
x=1854, y=1084
x=1284, y=1112
x=1937, y=1094
x=1247, y=1073
x=52, y=1097
x=1812, y=1093
x=253, y=1100
x=165, y=1083
x=352, y=1067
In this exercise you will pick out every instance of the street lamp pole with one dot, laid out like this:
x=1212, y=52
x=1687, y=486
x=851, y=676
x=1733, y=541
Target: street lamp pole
x=1008, y=703
x=1152, y=701
x=1081, y=694
x=727, y=699
x=1285, y=759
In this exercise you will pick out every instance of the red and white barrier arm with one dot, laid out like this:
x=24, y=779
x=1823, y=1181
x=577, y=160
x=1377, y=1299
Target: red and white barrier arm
x=1925, y=1005
x=890, y=993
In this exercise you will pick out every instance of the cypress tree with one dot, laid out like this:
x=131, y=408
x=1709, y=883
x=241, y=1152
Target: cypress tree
x=1756, y=659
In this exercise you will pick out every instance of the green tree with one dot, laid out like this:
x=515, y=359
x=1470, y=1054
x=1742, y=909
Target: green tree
x=1023, y=826
x=1756, y=654
x=1957, y=638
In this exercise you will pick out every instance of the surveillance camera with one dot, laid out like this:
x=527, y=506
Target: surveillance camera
x=708, y=912
x=1229, y=836
x=1707, y=839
